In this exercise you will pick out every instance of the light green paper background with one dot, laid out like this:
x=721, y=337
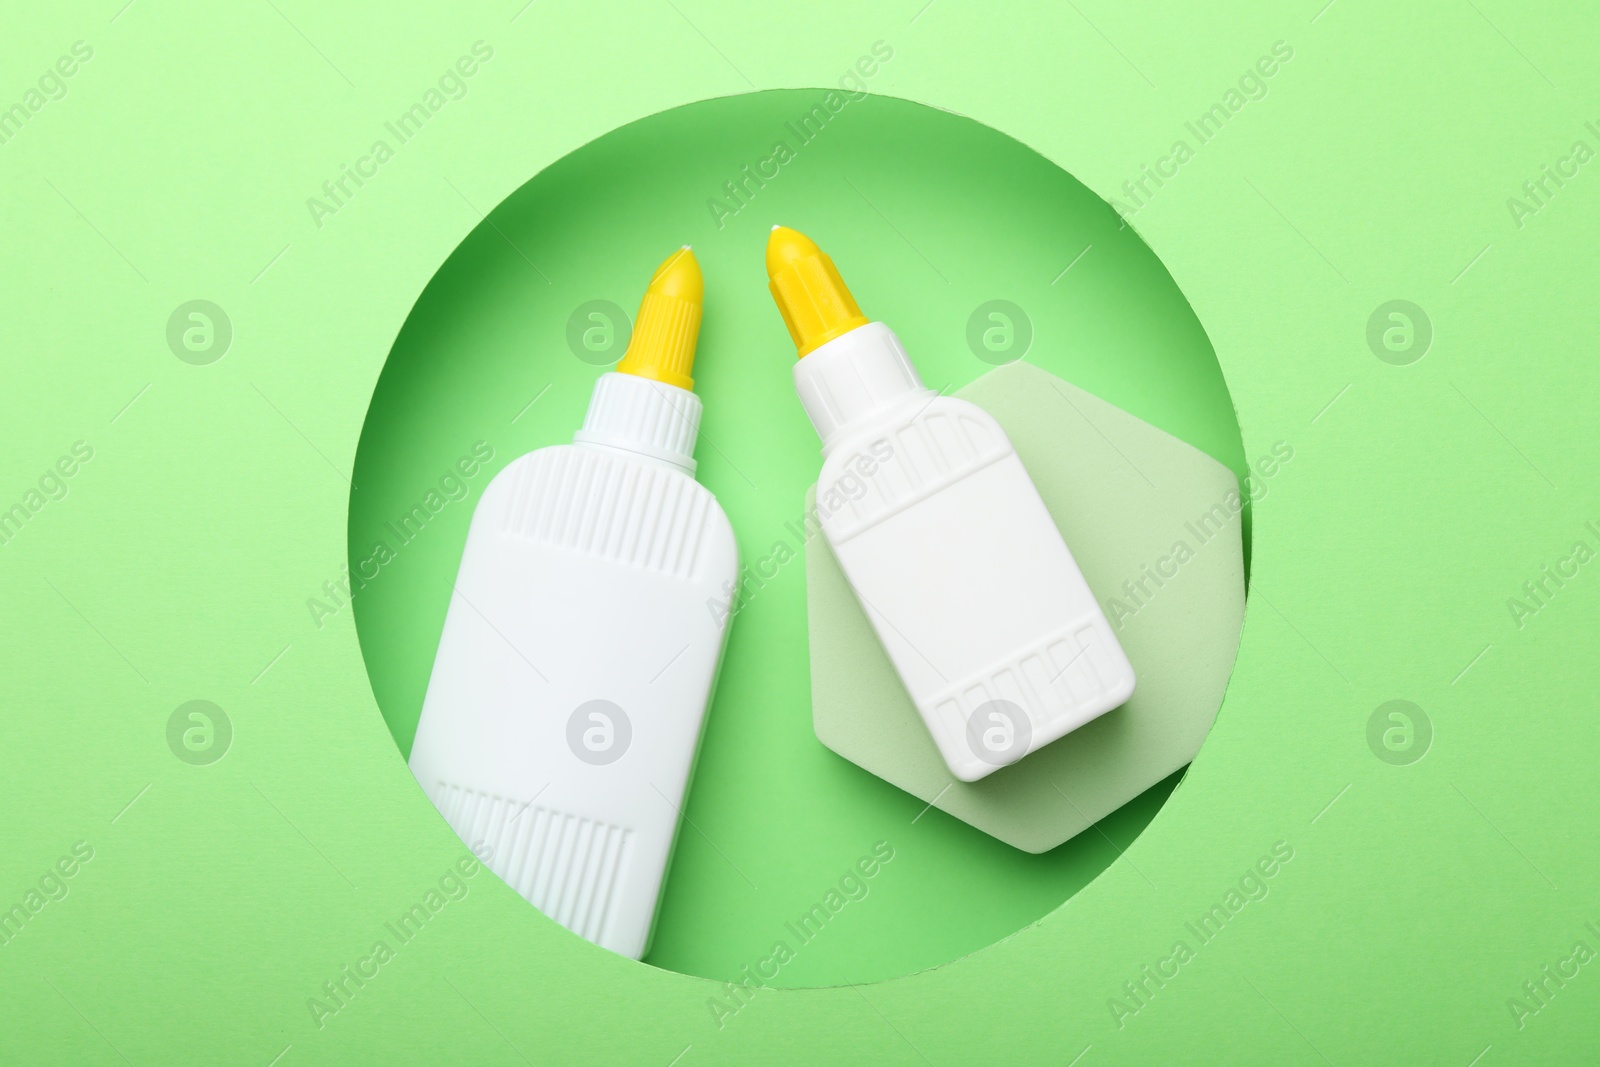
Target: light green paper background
x=1419, y=898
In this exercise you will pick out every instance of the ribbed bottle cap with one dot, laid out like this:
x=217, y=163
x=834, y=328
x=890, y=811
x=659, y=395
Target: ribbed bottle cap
x=812, y=298
x=668, y=323
x=644, y=416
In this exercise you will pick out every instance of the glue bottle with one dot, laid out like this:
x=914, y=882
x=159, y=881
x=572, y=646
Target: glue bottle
x=938, y=528
x=561, y=720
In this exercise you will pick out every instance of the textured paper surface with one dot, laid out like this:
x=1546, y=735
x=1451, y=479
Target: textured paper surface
x=1430, y=485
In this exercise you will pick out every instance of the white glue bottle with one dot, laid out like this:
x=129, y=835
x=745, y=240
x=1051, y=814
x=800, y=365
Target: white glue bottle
x=944, y=538
x=560, y=726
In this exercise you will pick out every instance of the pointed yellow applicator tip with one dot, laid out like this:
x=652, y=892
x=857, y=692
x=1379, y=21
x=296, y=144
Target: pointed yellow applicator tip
x=668, y=323
x=786, y=247
x=815, y=303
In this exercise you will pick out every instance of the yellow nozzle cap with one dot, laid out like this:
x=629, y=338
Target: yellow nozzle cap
x=811, y=296
x=664, y=333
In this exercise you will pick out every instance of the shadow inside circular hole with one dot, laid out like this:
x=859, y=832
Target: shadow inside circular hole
x=930, y=216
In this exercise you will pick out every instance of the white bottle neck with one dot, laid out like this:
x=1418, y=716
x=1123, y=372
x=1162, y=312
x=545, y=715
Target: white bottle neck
x=854, y=377
x=643, y=416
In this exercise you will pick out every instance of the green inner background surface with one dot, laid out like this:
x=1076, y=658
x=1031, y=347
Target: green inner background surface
x=928, y=216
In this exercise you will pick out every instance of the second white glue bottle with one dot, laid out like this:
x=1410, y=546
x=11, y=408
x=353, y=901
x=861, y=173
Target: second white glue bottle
x=938, y=528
